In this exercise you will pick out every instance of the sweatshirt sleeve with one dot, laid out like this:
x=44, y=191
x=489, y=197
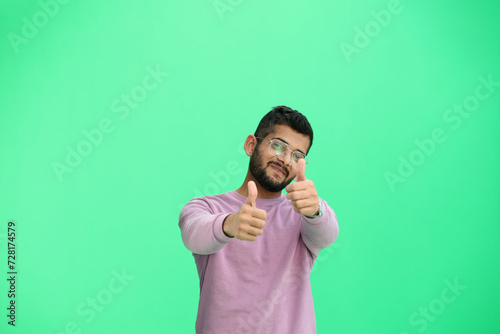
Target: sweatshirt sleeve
x=320, y=232
x=201, y=229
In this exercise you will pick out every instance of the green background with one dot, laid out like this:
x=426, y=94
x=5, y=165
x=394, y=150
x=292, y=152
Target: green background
x=117, y=209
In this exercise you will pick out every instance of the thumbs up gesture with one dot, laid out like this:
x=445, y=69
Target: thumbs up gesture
x=303, y=193
x=248, y=223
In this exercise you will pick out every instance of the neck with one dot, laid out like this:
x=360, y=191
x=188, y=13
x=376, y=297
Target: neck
x=261, y=192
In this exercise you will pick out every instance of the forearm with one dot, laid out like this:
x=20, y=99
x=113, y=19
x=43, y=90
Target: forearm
x=201, y=231
x=320, y=232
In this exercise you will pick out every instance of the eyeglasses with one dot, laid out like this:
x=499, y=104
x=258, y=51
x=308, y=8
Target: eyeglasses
x=279, y=149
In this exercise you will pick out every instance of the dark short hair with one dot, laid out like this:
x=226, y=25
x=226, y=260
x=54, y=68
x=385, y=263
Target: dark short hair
x=283, y=115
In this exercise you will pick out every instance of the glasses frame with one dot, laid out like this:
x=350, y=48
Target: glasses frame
x=288, y=149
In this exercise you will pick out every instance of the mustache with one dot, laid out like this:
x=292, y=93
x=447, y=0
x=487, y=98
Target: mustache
x=279, y=165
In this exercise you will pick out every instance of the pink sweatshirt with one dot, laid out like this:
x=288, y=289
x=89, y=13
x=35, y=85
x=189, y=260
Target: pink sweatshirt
x=259, y=287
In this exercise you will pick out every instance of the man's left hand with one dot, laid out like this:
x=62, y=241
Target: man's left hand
x=303, y=193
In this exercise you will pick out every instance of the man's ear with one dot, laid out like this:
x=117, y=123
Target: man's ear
x=250, y=145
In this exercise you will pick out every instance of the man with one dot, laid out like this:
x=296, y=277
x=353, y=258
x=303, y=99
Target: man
x=255, y=247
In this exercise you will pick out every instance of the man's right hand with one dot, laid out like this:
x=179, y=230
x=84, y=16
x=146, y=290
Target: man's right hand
x=248, y=223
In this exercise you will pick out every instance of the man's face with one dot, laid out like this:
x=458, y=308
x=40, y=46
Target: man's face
x=271, y=172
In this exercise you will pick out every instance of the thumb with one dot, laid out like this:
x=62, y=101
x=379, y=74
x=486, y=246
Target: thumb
x=252, y=194
x=301, y=170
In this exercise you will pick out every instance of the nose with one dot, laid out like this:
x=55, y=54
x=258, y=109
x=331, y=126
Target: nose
x=286, y=159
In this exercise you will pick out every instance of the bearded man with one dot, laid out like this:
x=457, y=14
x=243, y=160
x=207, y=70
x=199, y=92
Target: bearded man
x=254, y=247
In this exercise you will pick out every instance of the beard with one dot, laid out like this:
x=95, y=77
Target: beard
x=260, y=174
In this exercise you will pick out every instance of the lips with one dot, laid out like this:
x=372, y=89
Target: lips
x=278, y=169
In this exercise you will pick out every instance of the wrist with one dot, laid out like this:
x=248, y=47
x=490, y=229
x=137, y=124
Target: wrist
x=318, y=213
x=226, y=224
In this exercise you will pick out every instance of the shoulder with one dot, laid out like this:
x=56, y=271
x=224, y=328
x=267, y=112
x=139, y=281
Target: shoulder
x=214, y=203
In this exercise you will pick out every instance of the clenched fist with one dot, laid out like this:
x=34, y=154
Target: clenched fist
x=248, y=223
x=303, y=193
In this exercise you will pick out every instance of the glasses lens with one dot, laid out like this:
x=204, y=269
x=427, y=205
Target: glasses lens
x=296, y=156
x=277, y=148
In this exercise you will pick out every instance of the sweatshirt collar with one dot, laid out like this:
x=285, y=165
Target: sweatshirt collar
x=260, y=202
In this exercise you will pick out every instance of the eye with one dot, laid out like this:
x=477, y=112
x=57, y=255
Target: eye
x=277, y=147
x=297, y=156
